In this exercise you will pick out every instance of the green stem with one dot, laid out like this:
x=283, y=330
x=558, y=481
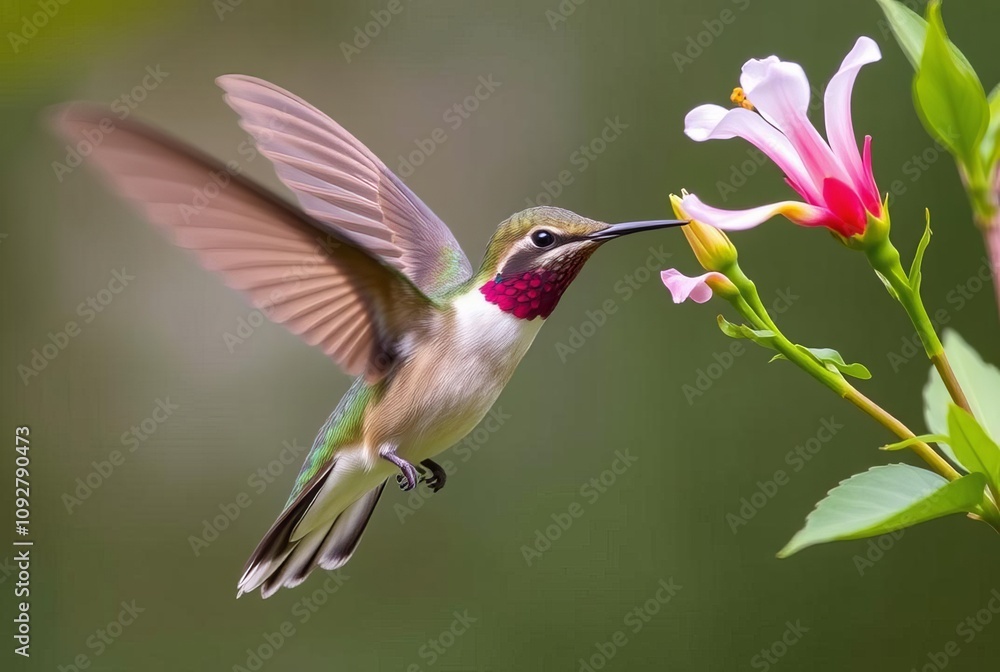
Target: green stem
x=978, y=186
x=884, y=258
x=752, y=308
x=989, y=513
x=991, y=236
x=928, y=454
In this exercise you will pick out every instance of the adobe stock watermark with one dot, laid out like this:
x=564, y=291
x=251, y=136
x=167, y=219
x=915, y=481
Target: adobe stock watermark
x=958, y=297
x=797, y=458
x=87, y=310
x=591, y=491
x=634, y=621
x=291, y=280
x=33, y=23
x=122, y=106
x=695, y=45
x=453, y=117
x=875, y=550
x=132, y=438
x=258, y=481
x=914, y=5
x=223, y=7
x=364, y=34
x=877, y=547
x=104, y=637
x=914, y=168
x=436, y=647
x=741, y=171
x=7, y=569
x=966, y=630
x=778, y=649
x=624, y=289
x=219, y=180
x=560, y=14
x=463, y=451
x=723, y=361
x=579, y=160
x=271, y=642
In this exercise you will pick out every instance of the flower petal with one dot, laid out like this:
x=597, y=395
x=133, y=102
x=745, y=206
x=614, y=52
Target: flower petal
x=780, y=92
x=755, y=70
x=683, y=288
x=873, y=207
x=738, y=220
x=712, y=122
x=837, y=113
x=701, y=122
x=778, y=89
x=844, y=202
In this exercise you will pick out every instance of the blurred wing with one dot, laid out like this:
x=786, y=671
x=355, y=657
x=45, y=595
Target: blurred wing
x=342, y=183
x=320, y=284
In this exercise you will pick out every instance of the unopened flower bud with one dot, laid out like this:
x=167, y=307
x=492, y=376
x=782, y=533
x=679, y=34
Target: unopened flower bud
x=712, y=247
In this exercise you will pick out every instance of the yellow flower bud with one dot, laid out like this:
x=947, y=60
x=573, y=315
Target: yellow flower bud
x=712, y=247
x=722, y=286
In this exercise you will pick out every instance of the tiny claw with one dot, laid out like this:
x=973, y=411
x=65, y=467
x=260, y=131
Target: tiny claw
x=438, y=476
x=408, y=479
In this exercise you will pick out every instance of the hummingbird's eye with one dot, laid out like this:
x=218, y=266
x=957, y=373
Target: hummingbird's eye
x=543, y=238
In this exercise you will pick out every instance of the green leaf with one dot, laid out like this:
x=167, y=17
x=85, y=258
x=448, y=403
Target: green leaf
x=761, y=337
x=980, y=382
x=888, y=286
x=949, y=96
x=832, y=361
x=924, y=438
x=910, y=31
x=908, y=27
x=918, y=257
x=884, y=499
x=990, y=149
x=972, y=446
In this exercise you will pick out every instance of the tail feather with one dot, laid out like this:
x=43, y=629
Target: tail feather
x=296, y=566
x=274, y=547
x=345, y=533
x=279, y=562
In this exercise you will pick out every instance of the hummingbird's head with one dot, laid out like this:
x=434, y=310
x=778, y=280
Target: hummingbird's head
x=535, y=255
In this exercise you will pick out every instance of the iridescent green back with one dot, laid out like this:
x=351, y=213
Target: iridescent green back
x=341, y=428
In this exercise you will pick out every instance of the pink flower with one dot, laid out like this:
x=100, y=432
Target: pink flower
x=698, y=289
x=831, y=175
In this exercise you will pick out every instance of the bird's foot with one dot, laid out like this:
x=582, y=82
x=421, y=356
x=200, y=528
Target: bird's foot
x=437, y=477
x=408, y=476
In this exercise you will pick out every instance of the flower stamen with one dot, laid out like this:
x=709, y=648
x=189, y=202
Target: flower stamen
x=737, y=97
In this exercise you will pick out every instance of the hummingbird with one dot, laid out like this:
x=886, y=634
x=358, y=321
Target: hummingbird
x=364, y=271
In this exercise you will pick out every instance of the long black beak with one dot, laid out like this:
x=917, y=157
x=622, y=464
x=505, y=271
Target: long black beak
x=615, y=230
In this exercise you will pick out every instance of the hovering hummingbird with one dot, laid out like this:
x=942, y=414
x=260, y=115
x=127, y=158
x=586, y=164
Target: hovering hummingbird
x=367, y=273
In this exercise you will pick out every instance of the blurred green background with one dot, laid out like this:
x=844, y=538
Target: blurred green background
x=563, y=70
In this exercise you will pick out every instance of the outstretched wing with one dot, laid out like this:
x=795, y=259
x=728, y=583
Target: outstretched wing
x=319, y=283
x=342, y=183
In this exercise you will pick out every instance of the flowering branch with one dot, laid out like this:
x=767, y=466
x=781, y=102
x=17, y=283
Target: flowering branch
x=715, y=252
x=839, y=193
x=750, y=306
x=832, y=176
